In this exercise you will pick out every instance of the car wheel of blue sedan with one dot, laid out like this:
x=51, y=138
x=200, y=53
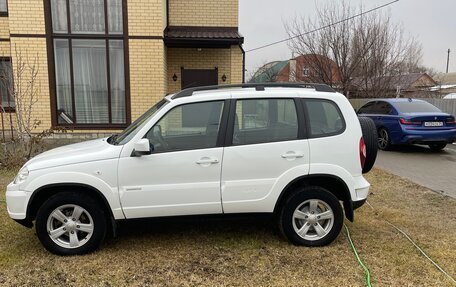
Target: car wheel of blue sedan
x=384, y=142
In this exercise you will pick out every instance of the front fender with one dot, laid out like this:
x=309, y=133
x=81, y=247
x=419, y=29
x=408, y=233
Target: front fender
x=105, y=184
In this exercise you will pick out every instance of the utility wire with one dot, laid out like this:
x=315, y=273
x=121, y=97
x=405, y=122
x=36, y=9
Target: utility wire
x=417, y=247
x=323, y=27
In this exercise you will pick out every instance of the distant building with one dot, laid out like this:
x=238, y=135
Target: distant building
x=446, y=85
x=413, y=85
x=304, y=68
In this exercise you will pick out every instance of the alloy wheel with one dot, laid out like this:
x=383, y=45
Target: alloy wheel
x=383, y=139
x=313, y=219
x=70, y=226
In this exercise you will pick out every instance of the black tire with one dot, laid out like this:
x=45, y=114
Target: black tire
x=370, y=137
x=384, y=140
x=95, y=213
x=437, y=146
x=287, y=223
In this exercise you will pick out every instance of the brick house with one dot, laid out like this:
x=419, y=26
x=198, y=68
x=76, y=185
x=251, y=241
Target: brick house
x=102, y=63
x=311, y=68
x=412, y=85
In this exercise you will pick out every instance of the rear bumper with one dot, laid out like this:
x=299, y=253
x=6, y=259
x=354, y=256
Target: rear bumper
x=427, y=137
x=359, y=203
x=361, y=187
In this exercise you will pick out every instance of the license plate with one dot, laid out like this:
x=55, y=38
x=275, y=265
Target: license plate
x=433, y=124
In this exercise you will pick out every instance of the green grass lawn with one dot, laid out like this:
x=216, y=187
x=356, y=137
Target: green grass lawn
x=249, y=251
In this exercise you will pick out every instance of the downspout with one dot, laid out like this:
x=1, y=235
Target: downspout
x=243, y=63
x=167, y=13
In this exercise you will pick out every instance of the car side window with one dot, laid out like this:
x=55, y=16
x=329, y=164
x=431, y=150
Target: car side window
x=383, y=108
x=187, y=127
x=367, y=108
x=325, y=118
x=265, y=120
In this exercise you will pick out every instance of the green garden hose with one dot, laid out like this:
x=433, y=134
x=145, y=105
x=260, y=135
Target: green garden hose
x=366, y=271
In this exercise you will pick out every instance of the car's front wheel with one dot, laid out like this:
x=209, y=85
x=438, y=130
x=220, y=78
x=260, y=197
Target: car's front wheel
x=311, y=217
x=69, y=224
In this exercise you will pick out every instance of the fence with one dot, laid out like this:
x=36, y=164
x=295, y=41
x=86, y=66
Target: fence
x=446, y=105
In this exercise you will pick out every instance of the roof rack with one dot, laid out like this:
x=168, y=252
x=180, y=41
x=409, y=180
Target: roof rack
x=258, y=86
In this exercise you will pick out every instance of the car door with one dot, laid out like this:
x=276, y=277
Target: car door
x=182, y=175
x=264, y=142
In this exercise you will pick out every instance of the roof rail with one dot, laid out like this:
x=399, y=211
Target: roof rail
x=258, y=86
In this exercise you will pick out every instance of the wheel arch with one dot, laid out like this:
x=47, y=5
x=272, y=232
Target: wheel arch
x=332, y=183
x=43, y=193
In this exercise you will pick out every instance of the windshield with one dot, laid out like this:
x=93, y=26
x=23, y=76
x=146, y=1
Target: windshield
x=417, y=107
x=136, y=126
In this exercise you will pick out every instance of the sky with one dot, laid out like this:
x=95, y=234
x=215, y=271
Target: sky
x=430, y=22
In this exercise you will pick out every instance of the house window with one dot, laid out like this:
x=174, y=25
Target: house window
x=305, y=71
x=6, y=80
x=89, y=62
x=3, y=8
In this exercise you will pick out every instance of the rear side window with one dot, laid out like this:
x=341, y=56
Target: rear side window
x=383, y=108
x=324, y=118
x=265, y=120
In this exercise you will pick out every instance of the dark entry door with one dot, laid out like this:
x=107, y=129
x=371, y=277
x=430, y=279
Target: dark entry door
x=195, y=78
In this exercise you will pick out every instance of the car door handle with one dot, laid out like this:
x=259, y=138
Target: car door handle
x=292, y=154
x=207, y=161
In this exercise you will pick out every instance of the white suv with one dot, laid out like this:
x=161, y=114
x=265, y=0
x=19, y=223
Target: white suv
x=293, y=150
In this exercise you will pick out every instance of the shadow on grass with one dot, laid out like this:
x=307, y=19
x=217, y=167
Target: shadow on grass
x=248, y=223
x=224, y=229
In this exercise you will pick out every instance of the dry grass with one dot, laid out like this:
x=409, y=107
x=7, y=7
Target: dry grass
x=249, y=252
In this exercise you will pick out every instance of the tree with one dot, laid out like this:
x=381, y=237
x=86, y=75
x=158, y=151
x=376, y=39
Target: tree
x=368, y=50
x=23, y=87
x=266, y=73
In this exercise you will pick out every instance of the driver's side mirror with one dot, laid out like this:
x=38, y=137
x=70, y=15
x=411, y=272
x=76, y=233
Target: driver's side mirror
x=142, y=147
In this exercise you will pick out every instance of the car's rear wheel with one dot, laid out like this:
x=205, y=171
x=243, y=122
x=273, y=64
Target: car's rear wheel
x=370, y=140
x=69, y=223
x=384, y=141
x=437, y=146
x=311, y=216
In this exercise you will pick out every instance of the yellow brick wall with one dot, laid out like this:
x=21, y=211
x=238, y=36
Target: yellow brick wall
x=5, y=49
x=236, y=65
x=26, y=17
x=4, y=28
x=191, y=58
x=228, y=61
x=203, y=13
x=146, y=17
x=31, y=49
x=147, y=73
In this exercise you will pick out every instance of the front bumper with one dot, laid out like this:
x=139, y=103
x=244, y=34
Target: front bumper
x=16, y=202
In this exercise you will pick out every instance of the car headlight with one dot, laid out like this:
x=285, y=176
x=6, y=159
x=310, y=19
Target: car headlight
x=21, y=175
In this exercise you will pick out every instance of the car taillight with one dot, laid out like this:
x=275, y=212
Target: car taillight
x=362, y=152
x=451, y=121
x=407, y=122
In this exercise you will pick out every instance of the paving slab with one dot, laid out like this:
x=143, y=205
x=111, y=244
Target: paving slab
x=434, y=170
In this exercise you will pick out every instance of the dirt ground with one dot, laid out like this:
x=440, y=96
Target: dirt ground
x=248, y=251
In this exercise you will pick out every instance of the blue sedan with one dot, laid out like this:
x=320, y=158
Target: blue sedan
x=410, y=121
